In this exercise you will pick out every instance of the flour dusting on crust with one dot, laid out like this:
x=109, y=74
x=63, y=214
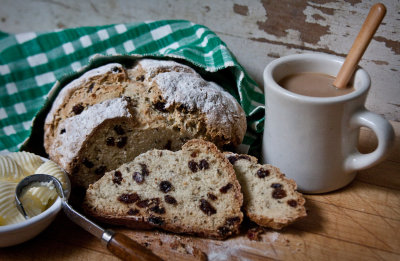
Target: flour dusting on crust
x=66, y=92
x=74, y=132
x=152, y=67
x=221, y=108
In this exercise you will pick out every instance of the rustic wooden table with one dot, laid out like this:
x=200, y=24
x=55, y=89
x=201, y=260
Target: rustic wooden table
x=359, y=222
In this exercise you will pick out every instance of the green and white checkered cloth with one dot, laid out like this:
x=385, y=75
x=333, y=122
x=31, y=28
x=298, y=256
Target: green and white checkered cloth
x=30, y=64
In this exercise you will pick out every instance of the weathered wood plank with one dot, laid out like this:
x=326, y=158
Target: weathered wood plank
x=355, y=226
x=366, y=198
x=42, y=248
x=256, y=31
x=328, y=234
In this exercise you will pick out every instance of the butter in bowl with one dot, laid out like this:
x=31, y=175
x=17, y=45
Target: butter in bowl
x=42, y=203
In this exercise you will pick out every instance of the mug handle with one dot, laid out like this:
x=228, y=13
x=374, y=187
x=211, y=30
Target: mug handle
x=383, y=131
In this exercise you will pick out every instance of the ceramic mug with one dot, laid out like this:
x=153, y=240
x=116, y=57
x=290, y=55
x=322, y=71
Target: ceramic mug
x=313, y=140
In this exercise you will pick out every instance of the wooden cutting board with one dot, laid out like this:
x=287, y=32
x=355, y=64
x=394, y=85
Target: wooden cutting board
x=359, y=222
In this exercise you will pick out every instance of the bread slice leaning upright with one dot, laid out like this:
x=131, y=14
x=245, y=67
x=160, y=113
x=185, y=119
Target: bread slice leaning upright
x=192, y=191
x=270, y=199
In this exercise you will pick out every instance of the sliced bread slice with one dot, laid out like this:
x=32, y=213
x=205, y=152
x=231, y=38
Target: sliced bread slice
x=270, y=199
x=192, y=191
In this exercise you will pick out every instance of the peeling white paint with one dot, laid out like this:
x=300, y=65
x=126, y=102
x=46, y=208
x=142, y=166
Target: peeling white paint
x=237, y=30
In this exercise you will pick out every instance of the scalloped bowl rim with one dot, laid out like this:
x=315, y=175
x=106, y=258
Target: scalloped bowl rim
x=31, y=227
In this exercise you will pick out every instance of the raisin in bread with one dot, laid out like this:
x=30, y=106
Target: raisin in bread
x=113, y=113
x=270, y=199
x=193, y=190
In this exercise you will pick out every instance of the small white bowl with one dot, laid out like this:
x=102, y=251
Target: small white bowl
x=20, y=232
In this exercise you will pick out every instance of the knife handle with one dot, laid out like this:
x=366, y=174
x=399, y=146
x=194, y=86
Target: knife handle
x=126, y=249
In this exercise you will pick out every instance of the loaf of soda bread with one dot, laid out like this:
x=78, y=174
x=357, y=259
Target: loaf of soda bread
x=193, y=191
x=269, y=198
x=115, y=112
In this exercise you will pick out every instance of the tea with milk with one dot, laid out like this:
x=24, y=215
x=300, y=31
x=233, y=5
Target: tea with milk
x=313, y=84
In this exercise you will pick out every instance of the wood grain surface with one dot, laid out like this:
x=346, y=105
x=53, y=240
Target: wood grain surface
x=358, y=222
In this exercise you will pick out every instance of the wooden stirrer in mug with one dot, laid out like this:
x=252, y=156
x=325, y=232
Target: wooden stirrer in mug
x=368, y=29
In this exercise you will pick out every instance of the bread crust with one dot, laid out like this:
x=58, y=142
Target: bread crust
x=162, y=96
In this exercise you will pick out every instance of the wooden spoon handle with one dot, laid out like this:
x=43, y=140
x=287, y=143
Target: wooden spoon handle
x=368, y=29
x=127, y=249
